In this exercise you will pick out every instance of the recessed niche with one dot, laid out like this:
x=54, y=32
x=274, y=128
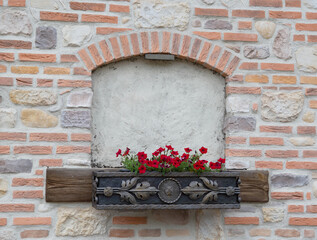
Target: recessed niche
x=143, y=104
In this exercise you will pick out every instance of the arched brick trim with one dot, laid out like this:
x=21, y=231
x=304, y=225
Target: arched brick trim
x=194, y=49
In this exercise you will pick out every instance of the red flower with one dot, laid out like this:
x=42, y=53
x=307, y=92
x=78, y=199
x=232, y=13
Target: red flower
x=203, y=150
x=142, y=169
x=200, y=164
x=118, y=153
x=126, y=152
x=188, y=150
x=212, y=165
x=169, y=147
x=222, y=160
x=155, y=164
x=156, y=153
x=160, y=150
x=185, y=156
x=174, y=153
x=142, y=155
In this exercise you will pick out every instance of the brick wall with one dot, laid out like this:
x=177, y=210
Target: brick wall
x=264, y=49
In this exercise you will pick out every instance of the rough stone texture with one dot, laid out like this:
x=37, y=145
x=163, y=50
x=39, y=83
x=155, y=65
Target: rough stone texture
x=208, y=225
x=196, y=23
x=71, y=118
x=314, y=188
x=265, y=28
x=309, y=117
x=237, y=123
x=82, y=222
x=311, y=3
x=37, y=118
x=235, y=104
x=302, y=141
x=217, y=24
x=155, y=90
x=16, y=166
x=289, y=180
x=78, y=162
x=281, y=106
x=15, y=22
x=3, y=187
x=232, y=232
x=7, y=117
x=208, y=2
x=306, y=58
x=8, y=235
x=237, y=164
x=44, y=4
x=44, y=207
x=236, y=4
x=33, y=97
x=161, y=14
x=171, y=217
x=81, y=98
x=125, y=20
x=282, y=44
x=256, y=52
x=76, y=35
x=235, y=48
x=273, y=214
x=46, y=37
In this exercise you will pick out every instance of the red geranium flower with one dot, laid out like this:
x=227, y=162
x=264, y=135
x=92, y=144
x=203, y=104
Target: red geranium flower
x=174, y=153
x=203, y=150
x=126, y=152
x=160, y=150
x=118, y=153
x=188, y=150
x=222, y=160
x=185, y=156
x=169, y=147
x=155, y=164
x=142, y=169
x=212, y=165
x=142, y=155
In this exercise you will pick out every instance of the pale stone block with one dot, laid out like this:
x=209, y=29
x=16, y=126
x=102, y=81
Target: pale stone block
x=7, y=117
x=14, y=22
x=306, y=58
x=33, y=97
x=302, y=141
x=3, y=187
x=265, y=28
x=37, y=118
x=209, y=225
x=44, y=4
x=76, y=35
x=289, y=180
x=256, y=52
x=236, y=104
x=80, y=99
x=309, y=117
x=273, y=214
x=282, y=44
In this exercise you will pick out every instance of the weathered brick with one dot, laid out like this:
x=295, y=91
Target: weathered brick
x=122, y=220
x=74, y=83
x=119, y=8
x=48, y=137
x=287, y=195
x=241, y=37
x=72, y=149
x=16, y=166
x=302, y=221
x=309, y=153
x=293, y=3
x=16, y=44
x=28, y=194
x=211, y=12
x=209, y=35
x=32, y=221
x=81, y=71
x=36, y=57
x=58, y=16
x=257, y=78
x=84, y=6
x=56, y=70
x=86, y=59
x=24, y=81
x=266, y=3
x=266, y=141
x=3, y=69
x=311, y=38
x=24, y=69
x=99, y=18
x=248, y=14
x=3, y=221
x=243, y=90
x=313, y=104
x=269, y=164
x=150, y=232
x=241, y=220
x=16, y=3
x=34, y=150
x=115, y=47
x=244, y=25
x=45, y=82
x=236, y=140
x=301, y=165
x=51, y=162
x=4, y=149
x=278, y=66
x=135, y=43
x=243, y=153
x=176, y=43
x=121, y=233
x=299, y=38
x=6, y=81
x=306, y=26
x=309, y=233
x=281, y=153
x=249, y=66
x=287, y=233
x=8, y=57
x=34, y=182
x=69, y=58
x=276, y=129
x=311, y=15
x=284, y=79
x=306, y=130
x=177, y=232
x=110, y=30
x=295, y=208
x=34, y=234
x=308, y=80
x=285, y=14
x=81, y=137
x=18, y=207
x=257, y=232
x=39, y=172
x=13, y=136
x=155, y=42
x=125, y=45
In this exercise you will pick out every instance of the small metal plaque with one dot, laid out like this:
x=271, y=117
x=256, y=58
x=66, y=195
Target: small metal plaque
x=169, y=190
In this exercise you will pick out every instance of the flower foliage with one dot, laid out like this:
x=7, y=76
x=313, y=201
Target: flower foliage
x=169, y=160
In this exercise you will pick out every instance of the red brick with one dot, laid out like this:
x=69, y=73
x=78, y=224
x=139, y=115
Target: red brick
x=121, y=233
x=58, y=16
x=25, y=69
x=309, y=233
x=16, y=44
x=34, y=233
x=135, y=44
x=287, y=195
x=39, y=172
x=311, y=15
x=288, y=233
x=5, y=81
x=32, y=221
x=241, y=220
x=125, y=45
x=155, y=43
x=309, y=153
x=243, y=37
x=269, y=164
x=248, y=14
x=86, y=59
x=312, y=38
x=3, y=221
x=115, y=47
x=295, y=208
x=110, y=30
x=257, y=78
x=84, y=6
x=24, y=81
x=293, y=3
x=214, y=56
x=34, y=182
x=145, y=42
x=72, y=149
x=119, y=8
x=306, y=130
x=81, y=137
x=311, y=208
x=56, y=70
x=308, y=196
x=264, y=232
x=99, y=18
x=16, y=3
x=1, y=2
x=51, y=162
x=298, y=221
x=166, y=42
x=204, y=52
x=3, y=69
x=81, y=71
x=122, y=220
x=306, y=26
x=8, y=57
x=244, y=25
x=313, y=104
x=276, y=129
x=301, y=165
x=18, y=207
x=299, y=38
x=185, y=46
x=266, y=3
x=231, y=67
x=281, y=153
x=209, y=35
x=95, y=54
x=107, y=55
x=150, y=232
x=235, y=78
x=176, y=43
x=211, y=12
x=4, y=149
x=74, y=83
x=243, y=90
x=223, y=61
x=69, y=58
x=48, y=137
x=284, y=79
x=243, y=153
x=236, y=140
x=34, y=150
x=13, y=136
x=249, y=66
x=266, y=141
x=35, y=57
x=277, y=66
x=28, y=194
x=308, y=80
x=284, y=14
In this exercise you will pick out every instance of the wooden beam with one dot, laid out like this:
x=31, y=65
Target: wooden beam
x=75, y=185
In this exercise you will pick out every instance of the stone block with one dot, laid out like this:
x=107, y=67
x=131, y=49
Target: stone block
x=72, y=118
x=302, y=141
x=239, y=123
x=15, y=22
x=309, y=117
x=8, y=235
x=306, y=59
x=44, y=4
x=3, y=187
x=265, y=28
x=236, y=104
x=256, y=52
x=80, y=99
x=76, y=36
x=289, y=180
x=209, y=224
x=273, y=214
x=33, y=97
x=171, y=217
x=7, y=117
x=282, y=44
x=46, y=37
x=37, y=118
x=218, y=24
x=311, y=3
x=281, y=106
x=16, y=166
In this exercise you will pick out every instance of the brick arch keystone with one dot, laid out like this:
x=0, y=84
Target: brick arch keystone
x=194, y=49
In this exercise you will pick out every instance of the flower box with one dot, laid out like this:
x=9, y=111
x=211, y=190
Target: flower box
x=173, y=190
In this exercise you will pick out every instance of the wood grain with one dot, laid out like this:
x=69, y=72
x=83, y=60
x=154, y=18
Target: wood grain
x=74, y=185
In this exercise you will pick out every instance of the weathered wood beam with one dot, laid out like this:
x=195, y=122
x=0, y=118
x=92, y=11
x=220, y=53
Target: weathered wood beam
x=75, y=185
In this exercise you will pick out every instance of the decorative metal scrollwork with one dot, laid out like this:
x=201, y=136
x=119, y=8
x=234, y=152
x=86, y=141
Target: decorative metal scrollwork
x=169, y=190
